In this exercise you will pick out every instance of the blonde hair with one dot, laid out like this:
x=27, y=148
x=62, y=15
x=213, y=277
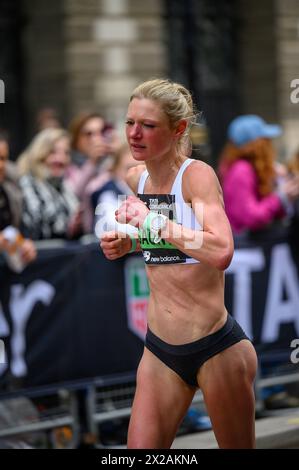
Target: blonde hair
x=32, y=160
x=176, y=102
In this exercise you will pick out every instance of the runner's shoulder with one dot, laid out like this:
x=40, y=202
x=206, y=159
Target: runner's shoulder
x=199, y=178
x=133, y=176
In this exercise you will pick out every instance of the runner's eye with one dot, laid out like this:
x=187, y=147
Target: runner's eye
x=150, y=126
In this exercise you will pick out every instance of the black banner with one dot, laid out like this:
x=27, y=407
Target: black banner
x=74, y=315
x=64, y=318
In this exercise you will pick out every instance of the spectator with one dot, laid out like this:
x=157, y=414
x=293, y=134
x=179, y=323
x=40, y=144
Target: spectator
x=51, y=207
x=254, y=195
x=11, y=202
x=257, y=192
x=92, y=142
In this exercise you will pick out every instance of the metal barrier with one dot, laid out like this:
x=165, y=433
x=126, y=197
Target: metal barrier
x=88, y=403
x=105, y=399
x=84, y=401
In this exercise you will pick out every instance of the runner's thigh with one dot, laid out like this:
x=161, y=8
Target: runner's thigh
x=161, y=401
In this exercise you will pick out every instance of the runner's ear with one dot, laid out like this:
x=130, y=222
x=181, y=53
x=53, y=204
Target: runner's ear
x=180, y=128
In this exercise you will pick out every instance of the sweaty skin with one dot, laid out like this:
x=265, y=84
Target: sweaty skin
x=186, y=300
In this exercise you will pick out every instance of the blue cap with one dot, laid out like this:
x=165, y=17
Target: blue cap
x=244, y=129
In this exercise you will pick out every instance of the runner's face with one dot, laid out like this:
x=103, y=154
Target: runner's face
x=148, y=130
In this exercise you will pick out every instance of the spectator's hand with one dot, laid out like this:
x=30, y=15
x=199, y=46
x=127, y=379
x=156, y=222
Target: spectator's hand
x=115, y=245
x=132, y=211
x=28, y=251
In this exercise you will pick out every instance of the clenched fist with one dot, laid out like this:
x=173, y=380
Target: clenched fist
x=115, y=244
x=132, y=211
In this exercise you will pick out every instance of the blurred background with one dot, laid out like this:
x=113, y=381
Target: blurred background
x=69, y=55
x=71, y=322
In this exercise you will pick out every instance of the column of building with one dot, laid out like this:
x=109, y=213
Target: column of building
x=287, y=20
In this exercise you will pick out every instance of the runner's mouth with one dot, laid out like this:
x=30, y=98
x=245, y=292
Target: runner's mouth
x=138, y=146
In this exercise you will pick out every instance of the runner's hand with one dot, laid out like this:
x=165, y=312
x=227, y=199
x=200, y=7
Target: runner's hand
x=115, y=244
x=132, y=211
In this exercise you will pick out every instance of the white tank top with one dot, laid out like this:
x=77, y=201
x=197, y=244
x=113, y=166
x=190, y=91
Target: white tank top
x=174, y=206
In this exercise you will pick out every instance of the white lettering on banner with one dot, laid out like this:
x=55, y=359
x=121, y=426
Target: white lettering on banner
x=295, y=354
x=282, y=278
x=243, y=263
x=21, y=306
x=4, y=331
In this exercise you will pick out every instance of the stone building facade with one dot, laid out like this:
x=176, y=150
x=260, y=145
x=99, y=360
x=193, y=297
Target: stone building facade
x=89, y=55
x=269, y=62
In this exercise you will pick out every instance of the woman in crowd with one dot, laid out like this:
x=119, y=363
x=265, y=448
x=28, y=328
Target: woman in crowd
x=93, y=141
x=257, y=191
x=259, y=194
x=50, y=206
x=11, y=204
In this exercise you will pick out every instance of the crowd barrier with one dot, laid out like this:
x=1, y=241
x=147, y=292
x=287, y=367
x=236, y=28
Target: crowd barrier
x=73, y=318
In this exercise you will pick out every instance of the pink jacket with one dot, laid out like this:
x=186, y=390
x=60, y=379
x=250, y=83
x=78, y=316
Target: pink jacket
x=245, y=208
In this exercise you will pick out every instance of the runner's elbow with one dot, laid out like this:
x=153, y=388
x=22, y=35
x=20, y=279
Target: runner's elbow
x=224, y=258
